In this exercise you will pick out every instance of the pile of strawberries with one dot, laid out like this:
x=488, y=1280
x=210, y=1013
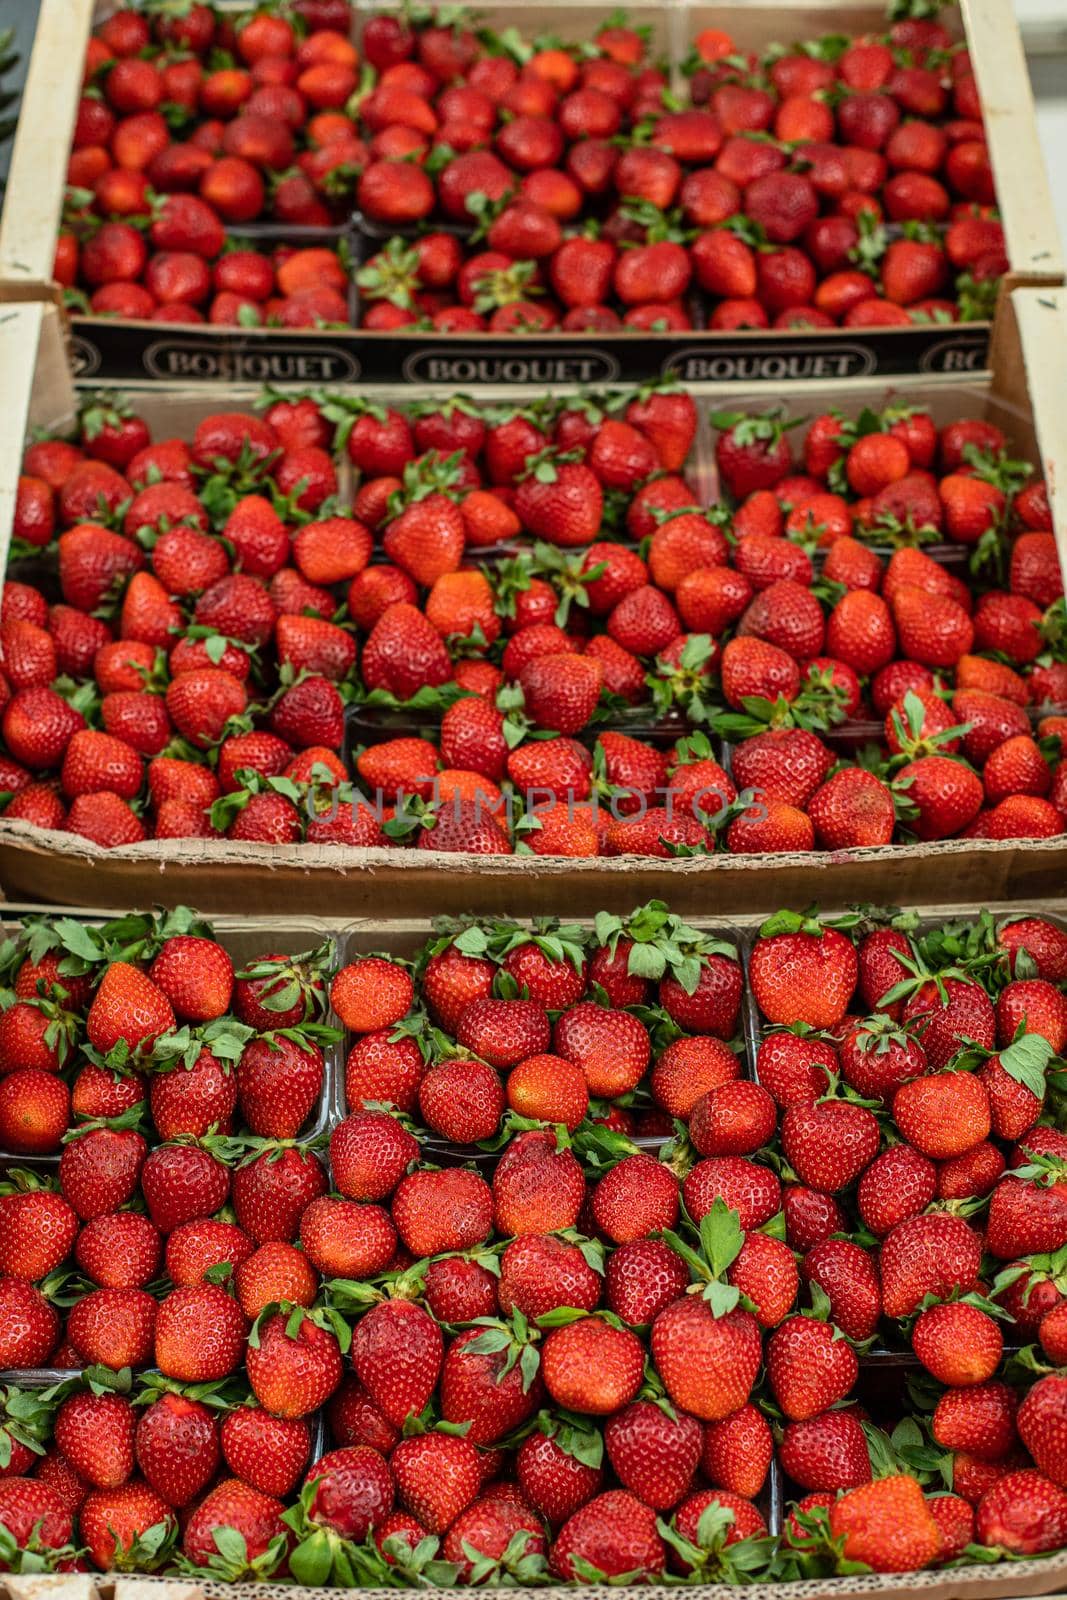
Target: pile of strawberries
x=840, y=182
x=613, y=1242
x=482, y=629
x=508, y=185
x=193, y=124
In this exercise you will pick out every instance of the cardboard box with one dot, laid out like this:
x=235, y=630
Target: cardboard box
x=1025, y=397
x=132, y=351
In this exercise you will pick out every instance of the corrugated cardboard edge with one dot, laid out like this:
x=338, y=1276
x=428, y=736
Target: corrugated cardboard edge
x=1014, y=1579
x=221, y=874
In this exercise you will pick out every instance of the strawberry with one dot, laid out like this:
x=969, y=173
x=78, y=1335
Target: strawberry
x=943, y=1013
x=403, y=653
x=614, y=1533
x=653, y=1456
x=887, y=1525
x=278, y=1083
x=34, y=1518
x=100, y=1168
x=426, y=540
x=292, y=1373
x=809, y=1368
x=959, y=1344
x=1024, y=1512
x=537, y=1187
x=979, y=1419
x=177, y=1447
x=437, y=1476
x=804, y=972
x=478, y=1388
x=195, y=1100
x=561, y=691
x=924, y=1255
x=611, y=1047
x=828, y=1451
x=272, y=1188
x=31, y=1326
x=943, y=1114
x=236, y=1507
x=127, y=1527
x=37, y=1230
x=95, y=1433
x=397, y=1351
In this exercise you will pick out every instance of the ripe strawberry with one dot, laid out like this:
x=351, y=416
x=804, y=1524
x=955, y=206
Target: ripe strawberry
x=113, y=1327
x=127, y=1007
x=887, y=1525
x=652, y=1455
x=1041, y=1421
x=708, y=1364
x=272, y=1189
x=100, y=1168
x=614, y=1533
x=943, y=1114
x=794, y=1067
x=1024, y=1512
x=184, y=1181
x=292, y=1373
x=30, y=1328
x=478, y=1388
x=37, y=1231
x=255, y=1517
x=177, y=1447
x=848, y=1275
x=959, y=1344
x=786, y=764
x=33, y=1512
x=979, y=1419
x=95, y=1433
x=114, y=1523
x=611, y=1047
x=199, y=1335
x=34, y=1111
x=397, y=1350
x=806, y=973
x=945, y=1013
x=809, y=1367
x=195, y=1100
x=195, y=1247
x=537, y=1187
x=404, y=653
x=828, y=1451
x=932, y=1254
x=278, y=1084
x=829, y=1144
x=561, y=691
x=437, y=1476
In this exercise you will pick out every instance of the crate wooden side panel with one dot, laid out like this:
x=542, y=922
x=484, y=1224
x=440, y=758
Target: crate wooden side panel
x=37, y=177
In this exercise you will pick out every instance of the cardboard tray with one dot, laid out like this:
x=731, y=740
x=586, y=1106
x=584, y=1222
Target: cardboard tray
x=138, y=351
x=1025, y=395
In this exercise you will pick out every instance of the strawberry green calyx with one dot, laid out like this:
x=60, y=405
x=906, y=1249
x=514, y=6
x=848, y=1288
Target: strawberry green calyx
x=714, y=1555
x=721, y=1237
x=662, y=944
